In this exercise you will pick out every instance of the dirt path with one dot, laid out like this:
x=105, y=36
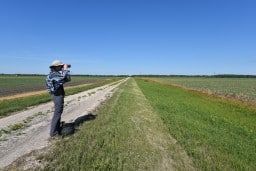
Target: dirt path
x=29, y=130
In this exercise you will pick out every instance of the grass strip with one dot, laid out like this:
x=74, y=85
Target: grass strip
x=11, y=128
x=13, y=105
x=18, y=126
x=126, y=135
x=217, y=134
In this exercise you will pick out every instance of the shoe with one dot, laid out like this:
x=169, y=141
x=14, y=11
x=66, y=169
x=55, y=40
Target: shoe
x=55, y=137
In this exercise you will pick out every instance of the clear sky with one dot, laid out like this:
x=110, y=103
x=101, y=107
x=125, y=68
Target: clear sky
x=129, y=36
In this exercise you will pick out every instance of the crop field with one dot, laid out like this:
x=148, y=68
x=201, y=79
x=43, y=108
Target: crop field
x=11, y=85
x=239, y=88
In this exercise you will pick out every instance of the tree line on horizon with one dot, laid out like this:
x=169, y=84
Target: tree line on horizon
x=148, y=75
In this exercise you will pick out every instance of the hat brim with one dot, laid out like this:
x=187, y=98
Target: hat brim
x=52, y=66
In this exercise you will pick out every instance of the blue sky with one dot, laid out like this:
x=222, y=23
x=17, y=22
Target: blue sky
x=129, y=36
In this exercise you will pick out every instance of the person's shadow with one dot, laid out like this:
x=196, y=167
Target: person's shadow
x=71, y=127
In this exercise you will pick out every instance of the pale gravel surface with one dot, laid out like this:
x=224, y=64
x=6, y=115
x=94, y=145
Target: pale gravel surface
x=36, y=135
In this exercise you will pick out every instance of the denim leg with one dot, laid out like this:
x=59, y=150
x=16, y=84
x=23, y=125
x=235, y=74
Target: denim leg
x=58, y=109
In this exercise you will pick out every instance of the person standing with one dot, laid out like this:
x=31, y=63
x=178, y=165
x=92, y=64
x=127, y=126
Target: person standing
x=59, y=74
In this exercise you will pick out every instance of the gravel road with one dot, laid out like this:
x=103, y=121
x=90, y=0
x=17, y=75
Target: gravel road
x=28, y=130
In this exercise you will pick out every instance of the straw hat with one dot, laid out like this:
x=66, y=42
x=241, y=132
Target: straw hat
x=56, y=63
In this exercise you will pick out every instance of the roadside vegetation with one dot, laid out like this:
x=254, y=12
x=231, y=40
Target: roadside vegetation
x=18, y=126
x=216, y=133
x=12, y=105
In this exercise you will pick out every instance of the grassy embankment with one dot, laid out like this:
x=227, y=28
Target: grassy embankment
x=126, y=135
x=12, y=105
x=218, y=134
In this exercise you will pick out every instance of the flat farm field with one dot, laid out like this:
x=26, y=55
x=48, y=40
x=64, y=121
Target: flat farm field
x=12, y=84
x=239, y=88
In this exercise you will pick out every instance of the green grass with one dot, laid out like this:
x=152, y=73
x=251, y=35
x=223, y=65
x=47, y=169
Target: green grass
x=125, y=135
x=11, y=128
x=240, y=88
x=13, y=105
x=217, y=134
x=19, y=125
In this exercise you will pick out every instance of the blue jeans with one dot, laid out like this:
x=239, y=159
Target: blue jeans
x=58, y=109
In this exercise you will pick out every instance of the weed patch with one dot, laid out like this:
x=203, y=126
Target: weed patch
x=20, y=125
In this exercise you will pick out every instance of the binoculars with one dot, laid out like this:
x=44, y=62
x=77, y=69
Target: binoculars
x=68, y=65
